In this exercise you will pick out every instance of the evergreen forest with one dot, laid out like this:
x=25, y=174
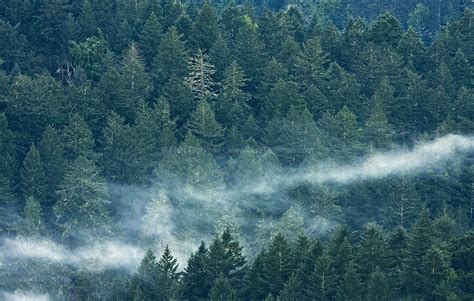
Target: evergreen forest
x=237, y=150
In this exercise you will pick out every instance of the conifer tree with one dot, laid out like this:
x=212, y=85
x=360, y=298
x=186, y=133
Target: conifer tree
x=149, y=41
x=33, y=178
x=420, y=240
x=171, y=59
x=51, y=151
x=371, y=252
x=196, y=284
x=221, y=290
x=82, y=200
x=377, y=286
x=182, y=102
x=32, y=223
x=145, y=282
x=7, y=163
x=323, y=279
x=137, y=84
x=205, y=29
x=78, y=139
x=199, y=78
x=350, y=285
x=168, y=275
x=277, y=268
x=292, y=290
x=205, y=127
x=220, y=56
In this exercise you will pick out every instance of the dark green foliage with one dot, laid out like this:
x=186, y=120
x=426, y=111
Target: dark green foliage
x=99, y=107
x=33, y=178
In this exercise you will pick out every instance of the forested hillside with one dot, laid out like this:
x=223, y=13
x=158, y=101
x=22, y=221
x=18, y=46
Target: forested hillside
x=321, y=150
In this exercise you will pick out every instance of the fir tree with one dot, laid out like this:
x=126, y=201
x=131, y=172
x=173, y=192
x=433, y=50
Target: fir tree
x=32, y=223
x=82, y=200
x=205, y=127
x=199, y=78
x=205, y=29
x=34, y=182
x=78, y=139
x=150, y=37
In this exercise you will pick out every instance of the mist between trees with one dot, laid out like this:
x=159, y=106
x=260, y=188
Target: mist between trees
x=315, y=130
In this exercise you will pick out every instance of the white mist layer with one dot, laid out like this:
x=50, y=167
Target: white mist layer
x=408, y=162
x=95, y=256
x=418, y=160
x=156, y=223
x=24, y=296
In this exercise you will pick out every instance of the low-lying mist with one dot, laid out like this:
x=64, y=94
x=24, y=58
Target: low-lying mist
x=152, y=217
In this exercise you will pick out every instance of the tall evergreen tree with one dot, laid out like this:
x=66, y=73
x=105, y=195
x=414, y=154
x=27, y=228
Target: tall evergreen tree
x=51, y=151
x=32, y=223
x=82, y=201
x=205, y=29
x=33, y=178
x=149, y=41
x=205, y=127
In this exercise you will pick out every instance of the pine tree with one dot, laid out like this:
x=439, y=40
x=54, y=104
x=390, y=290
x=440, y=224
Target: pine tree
x=377, y=131
x=137, y=84
x=341, y=133
x=82, y=200
x=460, y=70
x=86, y=20
x=378, y=286
x=168, y=276
x=323, y=279
x=51, y=151
x=33, y=178
x=7, y=163
x=396, y=248
x=220, y=56
x=292, y=290
x=195, y=281
x=182, y=102
x=420, y=240
x=248, y=52
x=78, y=139
x=371, y=253
x=221, y=290
x=199, y=78
x=205, y=29
x=236, y=261
x=171, y=59
x=277, y=268
x=149, y=41
x=32, y=223
x=145, y=282
x=312, y=63
x=231, y=105
x=435, y=273
x=412, y=49
x=349, y=287
x=205, y=127
x=386, y=30
x=404, y=203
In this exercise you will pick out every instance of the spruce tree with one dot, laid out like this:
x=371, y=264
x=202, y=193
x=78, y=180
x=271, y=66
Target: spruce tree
x=78, y=139
x=171, y=59
x=378, y=287
x=205, y=127
x=136, y=81
x=199, y=79
x=350, y=285
x=32, y=222
x=168, y=275
x=145, y=282
x=7, y=163
x=149, y=41
x=205, y=29
x=196, y=284
x=34, y=182
x=292, y=290
x=277, y=268
x=221, y=290
x=51, y=151
x=82, y=201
